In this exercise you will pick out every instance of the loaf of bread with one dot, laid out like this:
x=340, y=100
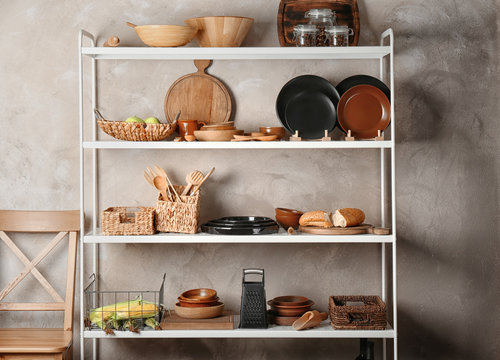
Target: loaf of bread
x=348, y=217
x=316, y=218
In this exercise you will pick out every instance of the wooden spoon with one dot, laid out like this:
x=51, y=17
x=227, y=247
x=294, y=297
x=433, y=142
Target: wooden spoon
x=161, y=184
x=202, y=181
x=193, y=178
x=130, y=24
x=309, y=320
x=163, y=173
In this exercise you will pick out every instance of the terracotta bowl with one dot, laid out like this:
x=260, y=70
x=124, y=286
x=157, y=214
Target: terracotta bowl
x=220, y=31
x=207, y=312
x=289, y=312
x=201, y=294
x=185, y=303
x=287, y=221
x=271, y=130
x=306, y=305
x=284, y=211
x=291, y=300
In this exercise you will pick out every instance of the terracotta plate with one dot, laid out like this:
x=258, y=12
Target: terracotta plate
x=310, y=113
x=364, y=109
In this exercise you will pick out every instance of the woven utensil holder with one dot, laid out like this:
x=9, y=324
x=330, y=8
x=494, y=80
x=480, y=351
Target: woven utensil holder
x=122, y=130
x=370, y=316
x=117, y=221
x=176, y=216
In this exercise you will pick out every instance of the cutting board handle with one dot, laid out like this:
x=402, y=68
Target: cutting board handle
x=202, y=65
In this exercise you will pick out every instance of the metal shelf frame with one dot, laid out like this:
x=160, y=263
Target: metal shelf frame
x=92, y=236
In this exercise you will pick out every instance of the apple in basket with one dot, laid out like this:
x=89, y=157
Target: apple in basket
x=134, y=119
x=152, y=120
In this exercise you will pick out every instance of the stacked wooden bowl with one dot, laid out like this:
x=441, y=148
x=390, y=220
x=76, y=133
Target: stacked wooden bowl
x=217, y=132
x=286, y=309
x=199, y=304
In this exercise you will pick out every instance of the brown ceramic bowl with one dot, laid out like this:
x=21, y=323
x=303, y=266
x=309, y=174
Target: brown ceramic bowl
x=199, y=294
x=306, y=305
x=274, y=318
x=289, y=312
x=271, y=130
x=284, y=211
x=290, y=300
x=197, y=303
x=199, y=312
x=287, y=221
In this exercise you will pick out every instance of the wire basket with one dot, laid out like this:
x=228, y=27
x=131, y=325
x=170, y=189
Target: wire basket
x=123, y=310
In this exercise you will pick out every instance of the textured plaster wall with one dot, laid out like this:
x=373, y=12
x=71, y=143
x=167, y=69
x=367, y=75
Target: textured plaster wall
x=446, y=71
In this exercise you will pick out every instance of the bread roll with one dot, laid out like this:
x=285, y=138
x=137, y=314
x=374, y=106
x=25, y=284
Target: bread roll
x=348, y=217
x=316, y=218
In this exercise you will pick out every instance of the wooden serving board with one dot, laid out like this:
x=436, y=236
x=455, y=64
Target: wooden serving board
x=351, y=230
x=198, y=96
x=172, y=321
x=291, y=13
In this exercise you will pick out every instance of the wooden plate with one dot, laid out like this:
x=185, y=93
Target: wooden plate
x=352, y=230
x=364, y=109
x=216, y=135
x=198, y=96
x=291, y=13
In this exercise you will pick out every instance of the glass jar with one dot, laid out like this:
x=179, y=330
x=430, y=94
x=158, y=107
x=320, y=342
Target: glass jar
x=322, y=18
x=337, y=35
x=305, y=35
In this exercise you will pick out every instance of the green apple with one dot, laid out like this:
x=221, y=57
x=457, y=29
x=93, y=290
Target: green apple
x=134, y=119
x=152, y=120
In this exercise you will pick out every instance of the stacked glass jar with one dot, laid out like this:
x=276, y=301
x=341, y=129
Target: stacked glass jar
x=322, y=30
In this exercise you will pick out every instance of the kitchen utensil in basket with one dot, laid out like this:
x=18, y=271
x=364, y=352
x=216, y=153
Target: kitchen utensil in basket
x=253, y=314
x=178, y=216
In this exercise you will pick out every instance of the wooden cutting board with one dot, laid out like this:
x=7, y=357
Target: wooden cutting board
x=172, y=321
x=291, y=13
x=351, y=230
x=198, y=96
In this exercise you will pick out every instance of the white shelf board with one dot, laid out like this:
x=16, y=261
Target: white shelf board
x=237, y=53
x=203, y=238
x=325, y=330
x=204, y=145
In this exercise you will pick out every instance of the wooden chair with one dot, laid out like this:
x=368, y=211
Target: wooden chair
x=37, y=343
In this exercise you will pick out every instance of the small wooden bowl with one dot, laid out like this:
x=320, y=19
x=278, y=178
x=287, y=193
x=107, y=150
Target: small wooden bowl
x=288, y=212
x=216, y=135
x=164, y=35
x=185, y=303
x=274, y=318
x=272, y=130
x=199, y=312
x=289, y=312
x=220, y=31
x=288, y=221
x=201, y=294
x=290, y=300
x=306, y=305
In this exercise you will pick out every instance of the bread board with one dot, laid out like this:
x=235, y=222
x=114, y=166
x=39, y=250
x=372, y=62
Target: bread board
x=172, y=321
x=291, y=13
x=352, y=230
x=198, y=96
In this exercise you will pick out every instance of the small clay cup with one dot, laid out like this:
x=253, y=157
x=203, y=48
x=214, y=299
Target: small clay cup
x=287, y=221
x=271, y=130
x=188, y=127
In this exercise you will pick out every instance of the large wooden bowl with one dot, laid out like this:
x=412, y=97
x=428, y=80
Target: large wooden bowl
x=199, y=312
x=220, y=31
x=164, y=35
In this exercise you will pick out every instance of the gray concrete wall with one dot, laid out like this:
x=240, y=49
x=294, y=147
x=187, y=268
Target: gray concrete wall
x=446, y=71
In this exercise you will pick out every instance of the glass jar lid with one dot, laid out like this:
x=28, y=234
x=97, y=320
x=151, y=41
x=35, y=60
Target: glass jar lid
x=308, y=28
x=319, y=13
x=337, y=29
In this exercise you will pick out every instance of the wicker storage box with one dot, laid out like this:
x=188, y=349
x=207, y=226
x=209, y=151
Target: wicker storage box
x=128, y=221
x=368, y=314
x=180, y=217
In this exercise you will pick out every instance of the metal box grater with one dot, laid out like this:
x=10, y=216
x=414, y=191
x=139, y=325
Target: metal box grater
x=253, y=313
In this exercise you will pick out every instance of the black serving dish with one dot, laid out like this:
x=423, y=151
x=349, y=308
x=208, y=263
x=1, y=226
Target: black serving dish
x=241, y=225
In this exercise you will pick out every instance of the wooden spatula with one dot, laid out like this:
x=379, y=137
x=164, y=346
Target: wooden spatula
x=193, y=178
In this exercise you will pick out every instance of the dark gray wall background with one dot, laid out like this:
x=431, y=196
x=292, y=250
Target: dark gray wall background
x=447, y=106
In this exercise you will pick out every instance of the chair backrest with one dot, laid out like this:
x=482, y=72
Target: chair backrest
x=67, y=225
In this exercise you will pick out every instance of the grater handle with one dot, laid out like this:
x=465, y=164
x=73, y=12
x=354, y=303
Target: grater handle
x=253, y=272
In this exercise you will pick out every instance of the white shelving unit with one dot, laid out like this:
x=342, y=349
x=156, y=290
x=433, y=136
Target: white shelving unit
x=92, y=236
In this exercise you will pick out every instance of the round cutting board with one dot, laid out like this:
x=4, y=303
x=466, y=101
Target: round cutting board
x=198, y=96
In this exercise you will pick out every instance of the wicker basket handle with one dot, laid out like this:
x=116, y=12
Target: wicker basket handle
x=98, y=115
x=359, y=318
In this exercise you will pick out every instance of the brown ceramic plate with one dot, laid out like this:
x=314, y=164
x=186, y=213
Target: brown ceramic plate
x=197, y=303
x=290, y=311
x=307, y=304
x=364, y=109
x=291, y=300
x=274, y=318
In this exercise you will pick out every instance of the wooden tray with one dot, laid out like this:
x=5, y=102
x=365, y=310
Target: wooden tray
x=291, y=13
x=351, y=230
x=198, y=96
x=171, y=321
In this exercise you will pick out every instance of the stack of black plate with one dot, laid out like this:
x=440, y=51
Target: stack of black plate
x=241, y=225
x=308, y=104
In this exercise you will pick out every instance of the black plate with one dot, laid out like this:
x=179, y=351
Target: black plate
x=355, y=80
x=243, y=219
x=220, y=230
x=229, y=225
x=311, y=113
x=304, y=83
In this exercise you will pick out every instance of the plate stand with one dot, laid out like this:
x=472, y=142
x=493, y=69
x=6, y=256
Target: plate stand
x=379, y=137
x=326, y=137
x=295, y=137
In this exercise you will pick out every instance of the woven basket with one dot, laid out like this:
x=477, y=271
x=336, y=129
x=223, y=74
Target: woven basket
x=122, y=130
x=370, y=316
x=128, y=221
x=179, y=217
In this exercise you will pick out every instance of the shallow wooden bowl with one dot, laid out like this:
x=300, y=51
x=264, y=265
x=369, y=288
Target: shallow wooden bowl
x=216, y=135
x=274, y=318
x=165, y=35
x=289, y=312
x=273, y=130
x=291, y=300
x=199, y=312
x=185, y=303
x=201, y=294
x=305, y=305
x=220, y=31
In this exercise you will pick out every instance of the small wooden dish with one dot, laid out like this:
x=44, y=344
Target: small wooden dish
x=290, y=312
x=276, y=319
x=164, y=35
x=307, y=304
x=291, y=300
x=199, y=312
x=201, y=294
x=185, y=303
x=216, y=135
x=273, y=130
